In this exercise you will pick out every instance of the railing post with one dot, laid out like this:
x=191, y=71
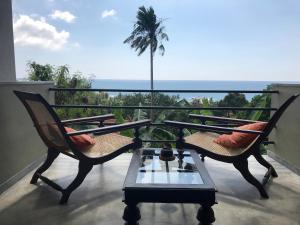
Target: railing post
x=202, y=121
x=180, y=141
x=101, y=124
x=137, y=140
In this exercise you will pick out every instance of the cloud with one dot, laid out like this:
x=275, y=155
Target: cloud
x=107, y=13
x=39, y=33
x=65, y=16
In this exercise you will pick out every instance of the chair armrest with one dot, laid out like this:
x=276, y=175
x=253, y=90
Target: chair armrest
x=182, y=125
x=113, y=128
x=221, y=119
x=89, y=119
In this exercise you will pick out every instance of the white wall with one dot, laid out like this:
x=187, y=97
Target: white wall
x=287, y=132
x=7, y=56
x=20, y=144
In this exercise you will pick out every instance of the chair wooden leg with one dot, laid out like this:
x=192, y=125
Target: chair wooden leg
x=51, y=156
x=242, y=166
x=83, y=169
x=266, y=164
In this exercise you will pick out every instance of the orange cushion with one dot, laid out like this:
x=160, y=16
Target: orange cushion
x=82, y=140
x=238, y=139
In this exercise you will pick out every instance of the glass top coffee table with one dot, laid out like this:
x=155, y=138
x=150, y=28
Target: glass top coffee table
x=181, y=179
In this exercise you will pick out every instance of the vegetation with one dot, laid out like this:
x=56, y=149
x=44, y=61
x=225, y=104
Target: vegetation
x=63, y=79
x=38, y=72
x=148, y=32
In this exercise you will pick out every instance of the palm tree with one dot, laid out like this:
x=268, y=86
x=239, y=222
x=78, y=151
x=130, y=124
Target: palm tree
x=148, y=31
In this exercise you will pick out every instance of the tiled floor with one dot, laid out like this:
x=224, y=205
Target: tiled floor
x=99, y=198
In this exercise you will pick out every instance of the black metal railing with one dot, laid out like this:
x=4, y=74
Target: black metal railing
x=162, y=107
x=165, y=107
x=162, y=91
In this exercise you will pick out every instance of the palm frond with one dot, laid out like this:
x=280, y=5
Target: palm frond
x=164, y=36
x=163, y=134
x=139, y=114
x=143, y=46
x=154, y=44
x=255, y=115
x=147, y=30
x=162, y=49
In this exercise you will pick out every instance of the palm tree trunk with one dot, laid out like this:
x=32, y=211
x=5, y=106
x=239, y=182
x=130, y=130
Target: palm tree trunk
x=151, y=77
x=151, y=67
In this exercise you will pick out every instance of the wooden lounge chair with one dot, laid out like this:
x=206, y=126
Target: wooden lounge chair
x=203, y=143
x=51, y=129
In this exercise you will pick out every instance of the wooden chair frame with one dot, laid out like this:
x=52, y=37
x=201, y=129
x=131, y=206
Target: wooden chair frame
x=85, y=163
x=240, y=161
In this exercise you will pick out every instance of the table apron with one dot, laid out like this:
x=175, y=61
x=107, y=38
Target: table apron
x=170, y=196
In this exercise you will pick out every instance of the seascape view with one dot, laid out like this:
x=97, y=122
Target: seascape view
x=184, y=85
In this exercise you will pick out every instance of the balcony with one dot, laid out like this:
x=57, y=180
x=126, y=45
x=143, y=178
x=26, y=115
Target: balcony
x=99, y=199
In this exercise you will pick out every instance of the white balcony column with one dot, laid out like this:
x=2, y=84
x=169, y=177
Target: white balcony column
x=7, y=55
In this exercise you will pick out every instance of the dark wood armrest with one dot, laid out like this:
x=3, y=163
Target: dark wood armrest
x=113, y=128
x=182, y=125
x=221, y=119
x=89, y=119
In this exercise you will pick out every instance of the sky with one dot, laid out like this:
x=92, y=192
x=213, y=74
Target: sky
x=208, y=39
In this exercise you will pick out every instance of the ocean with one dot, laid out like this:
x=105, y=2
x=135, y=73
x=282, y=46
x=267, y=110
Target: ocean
x=184, y=84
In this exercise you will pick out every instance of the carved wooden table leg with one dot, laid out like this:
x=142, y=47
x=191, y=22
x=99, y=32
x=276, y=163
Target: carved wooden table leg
x=206, y=215
x=131, y=214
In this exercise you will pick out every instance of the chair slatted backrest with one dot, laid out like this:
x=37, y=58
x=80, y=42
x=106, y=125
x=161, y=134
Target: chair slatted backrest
x=45, y=120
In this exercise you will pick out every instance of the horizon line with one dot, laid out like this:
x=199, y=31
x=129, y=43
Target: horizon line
x=117, y=79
